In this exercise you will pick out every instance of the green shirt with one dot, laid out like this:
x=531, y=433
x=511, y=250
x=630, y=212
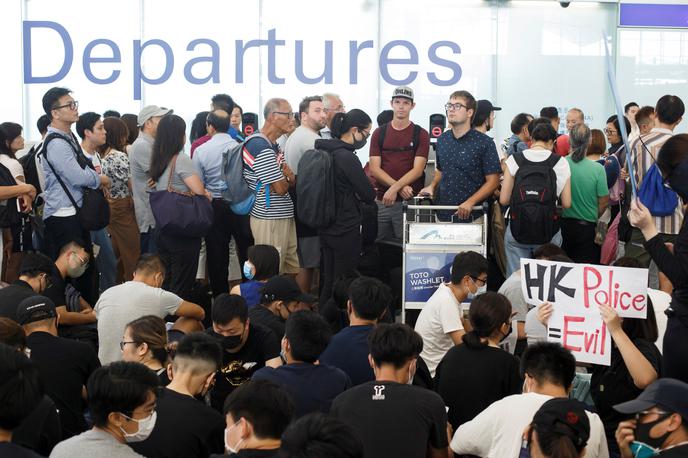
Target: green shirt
x=588, y=182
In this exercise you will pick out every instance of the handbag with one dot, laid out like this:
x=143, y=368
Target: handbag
x=94, y=213
x=181, y=213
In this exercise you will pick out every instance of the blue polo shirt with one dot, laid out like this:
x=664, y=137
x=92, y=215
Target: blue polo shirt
x=464, y=163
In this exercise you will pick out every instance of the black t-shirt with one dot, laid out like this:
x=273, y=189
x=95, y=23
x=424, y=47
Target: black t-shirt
x=9, y=449
x=677, y=452
x=252, y=453
x=261, y=315
x=335, y=317
x=56, y=290
x=312, y=387
x=11, y=296
x=185, y=427
x=64, y=366
x=611, y=385
x=469, y=379
x=41, y=430
x=392, y=419
x=238, y=368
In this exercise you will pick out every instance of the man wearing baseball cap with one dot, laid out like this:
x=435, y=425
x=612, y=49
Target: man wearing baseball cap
x=139, y=163
x=34, y=275
x=398, y=154
x=279, y=298
x=484, y=117
x=660, y=427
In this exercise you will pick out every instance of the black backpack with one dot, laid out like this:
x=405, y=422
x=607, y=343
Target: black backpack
x=9, y=214
x=412, y=147
x=28, y=163
x=315, y=194
x=534, y=218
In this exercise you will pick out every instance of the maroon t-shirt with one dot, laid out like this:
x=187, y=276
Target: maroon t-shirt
x=398, y=163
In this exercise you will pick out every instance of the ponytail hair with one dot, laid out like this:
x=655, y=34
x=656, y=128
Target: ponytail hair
x=579, y=139
x=343, y=122
x=488, y=313
x=151, y=330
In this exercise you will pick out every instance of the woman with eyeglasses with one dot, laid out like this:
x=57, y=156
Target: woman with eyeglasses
x=171, y=167
x=341, y=242
x=145, y=342
x=494, y=372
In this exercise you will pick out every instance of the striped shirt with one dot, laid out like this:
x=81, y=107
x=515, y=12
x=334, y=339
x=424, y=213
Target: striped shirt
x=263, y=162
x=644, y=151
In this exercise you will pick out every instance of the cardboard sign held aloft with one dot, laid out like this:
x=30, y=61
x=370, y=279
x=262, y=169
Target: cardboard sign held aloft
x=576, y=292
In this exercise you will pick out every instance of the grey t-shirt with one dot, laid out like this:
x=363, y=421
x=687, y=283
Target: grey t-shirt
x=300, y=141
x=511, y=288
x=124, y=303
x=139, y=163
x=184, y=168
x=93, y=443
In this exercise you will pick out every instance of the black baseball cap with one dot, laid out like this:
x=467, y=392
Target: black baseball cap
x=668, y=393
x=36, y=262
x=284, y=288
x=35, y=308
x=483, y=108
x=566, y=417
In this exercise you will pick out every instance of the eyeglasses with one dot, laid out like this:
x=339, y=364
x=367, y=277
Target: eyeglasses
x=610, y=132
x=290, y=114
x=478, y=279
x=366, y=133
x=83, y=261
x=455, y=106
x=73, y=105
x=123, y=343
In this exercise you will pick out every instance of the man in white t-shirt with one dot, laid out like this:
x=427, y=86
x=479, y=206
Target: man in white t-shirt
x=143, y=296
x=439, y=323
x=548, y=369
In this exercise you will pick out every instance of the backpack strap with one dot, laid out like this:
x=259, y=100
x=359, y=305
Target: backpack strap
x=520, y=159
x=552, y=160
x=416, y=137
x=381, y=137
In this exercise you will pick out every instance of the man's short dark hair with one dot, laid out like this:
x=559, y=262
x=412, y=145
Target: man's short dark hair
x=550, y=113
x=394, y=343
x=199, y=346
x=86, y=122
x=644, y=115
x=669, y=109
x=369, y=297
x=111, y=114
x=613, y=119
x=12, y=334
x=35, y=264
x=306, y=103
x=20, y=387
x=150, y=264
x=43, y=123
x=223, y=102
x=468, y=263
x=119, y=387
x=308, y=334
x=227, y=307
x=540, y=129
x=385, y=116
x=73, y=245
x=467, y=97
x=52, y=97
x=219, y=119
x=318, y=435
x=630, y=105
x=549, y=362
x=264, y=404
x=547, y=250
x=519, y=122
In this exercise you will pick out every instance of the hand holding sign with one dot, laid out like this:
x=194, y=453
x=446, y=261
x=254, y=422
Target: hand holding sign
x=610, y=318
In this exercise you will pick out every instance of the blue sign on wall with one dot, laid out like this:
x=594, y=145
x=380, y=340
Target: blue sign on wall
x=649, y=15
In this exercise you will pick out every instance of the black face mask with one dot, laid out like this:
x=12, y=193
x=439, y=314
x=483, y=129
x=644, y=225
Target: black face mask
x=508, y=333
x=678, y=180
x=642, y=432
x=358, y=144
x=228, y=342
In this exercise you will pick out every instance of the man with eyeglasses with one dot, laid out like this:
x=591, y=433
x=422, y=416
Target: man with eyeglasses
x=65, y=156
x=269, y=175
x=34, y=276
x=468, y=166
x=440, y=322
x=660, y=424
x=332, y=104
x=398, y=154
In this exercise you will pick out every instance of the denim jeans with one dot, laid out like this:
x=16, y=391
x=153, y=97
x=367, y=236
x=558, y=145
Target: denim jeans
x=515, y=251
x=106, y=260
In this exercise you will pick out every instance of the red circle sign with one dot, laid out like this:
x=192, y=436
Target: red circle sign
x=436, y=131
x=248, y=130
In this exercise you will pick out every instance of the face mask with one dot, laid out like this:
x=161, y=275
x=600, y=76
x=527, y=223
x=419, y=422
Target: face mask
x=229, y=341
x=508, y=333
x=146, y=426
x=229, y=448
x=477, y=292
x=247, y=270
x=640, y=450
x=358, y=144
x=75, y=272
x=678, y=180
x=642, y=433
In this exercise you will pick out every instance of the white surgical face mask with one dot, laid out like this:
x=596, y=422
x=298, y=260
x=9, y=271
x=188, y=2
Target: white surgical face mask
x=229, y=448
x=145, y=425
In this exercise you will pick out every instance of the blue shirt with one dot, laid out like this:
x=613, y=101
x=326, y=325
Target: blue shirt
x=348, y=350
x=312, y=387
x=250, y=291
x=60, y=153
x=520, y=146
x=208, y=160
x=464, y=163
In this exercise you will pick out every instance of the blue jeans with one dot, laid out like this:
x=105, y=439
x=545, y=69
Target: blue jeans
x=106, y=260
x=515, y=251
x=148, y=242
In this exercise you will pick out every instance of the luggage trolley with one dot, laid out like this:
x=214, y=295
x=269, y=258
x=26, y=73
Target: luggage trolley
x=430, y=246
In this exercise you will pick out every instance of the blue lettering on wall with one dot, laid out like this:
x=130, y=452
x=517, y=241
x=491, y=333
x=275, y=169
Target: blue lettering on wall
x=386, y=61
x=29, y=77
x=214, y=59
x=139, y=77
x=435, y=59
x=116, y=58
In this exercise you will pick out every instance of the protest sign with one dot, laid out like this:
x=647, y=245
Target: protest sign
x=576, y=292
